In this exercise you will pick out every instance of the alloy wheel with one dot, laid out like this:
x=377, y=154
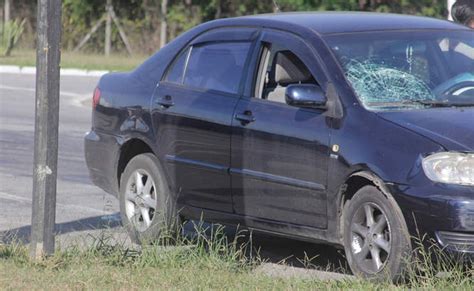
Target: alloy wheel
x=140, y=199
x=370, y=238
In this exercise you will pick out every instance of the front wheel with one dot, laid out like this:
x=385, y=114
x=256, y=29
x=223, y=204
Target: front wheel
x=376, y=238
x=147, y=209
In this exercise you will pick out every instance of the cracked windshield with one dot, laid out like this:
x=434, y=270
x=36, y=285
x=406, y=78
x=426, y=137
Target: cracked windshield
x=407, y=70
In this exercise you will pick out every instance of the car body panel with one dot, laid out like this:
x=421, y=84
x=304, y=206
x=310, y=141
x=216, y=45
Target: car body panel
x=193, y=137
x=279, y=163
x=442, y=125
x=346, y=22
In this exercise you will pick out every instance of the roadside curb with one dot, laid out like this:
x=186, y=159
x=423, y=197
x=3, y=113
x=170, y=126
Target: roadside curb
x=64, y=72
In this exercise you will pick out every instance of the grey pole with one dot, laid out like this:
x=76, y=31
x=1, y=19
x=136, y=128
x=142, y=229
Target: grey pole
x=46, y=128
x=108, y=27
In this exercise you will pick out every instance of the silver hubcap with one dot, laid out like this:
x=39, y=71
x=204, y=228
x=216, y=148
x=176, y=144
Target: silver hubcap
x=140, y=200
x=370, y=238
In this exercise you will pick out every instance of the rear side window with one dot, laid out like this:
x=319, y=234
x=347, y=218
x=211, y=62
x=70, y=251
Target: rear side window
x=217, y=66
x=176, y=72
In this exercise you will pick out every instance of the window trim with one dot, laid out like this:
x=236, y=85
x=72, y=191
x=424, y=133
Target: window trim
x=193, y=89
x=265, y=52
x=186, y=63
x=186, y=51
x=195, y=41
x=323, y=79
x=220, y=35
x=263, y=60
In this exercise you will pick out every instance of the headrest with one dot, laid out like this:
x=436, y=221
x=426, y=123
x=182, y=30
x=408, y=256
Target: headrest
x=404, y=48
x=289, y=69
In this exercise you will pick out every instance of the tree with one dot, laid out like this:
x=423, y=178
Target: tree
x=164, y=23
x=151, y=23
x=6, y=11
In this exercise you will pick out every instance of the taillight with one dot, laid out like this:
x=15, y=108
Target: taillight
x=96, y=98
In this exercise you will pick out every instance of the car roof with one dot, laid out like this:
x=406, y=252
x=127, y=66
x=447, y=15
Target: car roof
x=346, y=22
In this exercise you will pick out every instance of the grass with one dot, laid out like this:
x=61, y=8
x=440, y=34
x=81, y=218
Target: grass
x=115, y=62
x=203, y=262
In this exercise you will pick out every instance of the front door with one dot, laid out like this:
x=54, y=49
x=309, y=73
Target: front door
x=280, y=153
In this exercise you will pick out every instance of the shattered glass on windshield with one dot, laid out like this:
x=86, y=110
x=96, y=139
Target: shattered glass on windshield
x=376, y=83
x=401, y=69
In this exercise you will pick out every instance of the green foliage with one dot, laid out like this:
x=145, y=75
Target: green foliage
x=78, y=17
x=182, y=18
x=141, y=19
x=11, y=32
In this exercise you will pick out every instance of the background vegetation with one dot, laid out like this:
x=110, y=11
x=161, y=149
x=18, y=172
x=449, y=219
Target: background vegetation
x=142, y=19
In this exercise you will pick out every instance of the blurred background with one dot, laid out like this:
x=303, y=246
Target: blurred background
x=127, y=31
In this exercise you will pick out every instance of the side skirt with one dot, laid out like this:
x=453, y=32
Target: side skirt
x=276, y=228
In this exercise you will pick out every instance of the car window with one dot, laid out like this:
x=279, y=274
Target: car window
x=280, y=68
x=217, y=66
x=176, y=72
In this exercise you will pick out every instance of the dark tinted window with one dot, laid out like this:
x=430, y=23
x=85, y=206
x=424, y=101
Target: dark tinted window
x=176, y=72
x=217, y=66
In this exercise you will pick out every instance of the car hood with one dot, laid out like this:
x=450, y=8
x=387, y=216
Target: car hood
x=452, y=128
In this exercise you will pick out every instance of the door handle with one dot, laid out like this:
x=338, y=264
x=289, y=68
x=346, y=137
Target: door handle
x=245, y=118
x=165, y=102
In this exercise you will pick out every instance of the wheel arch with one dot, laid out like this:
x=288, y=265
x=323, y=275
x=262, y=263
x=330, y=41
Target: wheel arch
x=128, y=150
x=349, y=188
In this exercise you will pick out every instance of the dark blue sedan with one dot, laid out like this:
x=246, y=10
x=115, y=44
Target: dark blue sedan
x=352, y=129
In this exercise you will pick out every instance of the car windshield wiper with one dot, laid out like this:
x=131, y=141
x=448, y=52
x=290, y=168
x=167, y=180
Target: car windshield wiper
x=437, y=103
x=426, y=103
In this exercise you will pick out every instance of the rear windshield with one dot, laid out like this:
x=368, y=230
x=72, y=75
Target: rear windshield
x=413, y=69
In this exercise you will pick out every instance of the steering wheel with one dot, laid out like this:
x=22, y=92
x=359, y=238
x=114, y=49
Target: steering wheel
x=457, y=86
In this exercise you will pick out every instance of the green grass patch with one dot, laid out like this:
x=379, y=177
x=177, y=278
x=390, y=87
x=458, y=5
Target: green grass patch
x=115, y=62
x=200, y=263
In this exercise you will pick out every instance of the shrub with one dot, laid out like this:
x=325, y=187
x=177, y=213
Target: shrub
x=11, y=32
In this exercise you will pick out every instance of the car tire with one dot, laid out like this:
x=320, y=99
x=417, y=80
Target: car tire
x=376, y=238
x=147, y=207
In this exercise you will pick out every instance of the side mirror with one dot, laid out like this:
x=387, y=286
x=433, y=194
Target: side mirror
x=305, y=95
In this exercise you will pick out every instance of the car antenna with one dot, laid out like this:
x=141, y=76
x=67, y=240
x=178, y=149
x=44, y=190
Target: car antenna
x=276, y=7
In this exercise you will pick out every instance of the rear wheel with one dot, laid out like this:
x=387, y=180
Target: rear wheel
x=147, y=208
x=376, y=238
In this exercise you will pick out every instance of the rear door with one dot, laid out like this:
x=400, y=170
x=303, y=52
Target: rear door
x=280, y=153
x=192, y=116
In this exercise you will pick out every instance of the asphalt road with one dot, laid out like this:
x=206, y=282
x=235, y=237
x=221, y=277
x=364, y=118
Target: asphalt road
x=82, y=207
x=80, y=204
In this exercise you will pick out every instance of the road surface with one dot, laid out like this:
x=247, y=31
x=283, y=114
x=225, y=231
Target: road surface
x=80, y=204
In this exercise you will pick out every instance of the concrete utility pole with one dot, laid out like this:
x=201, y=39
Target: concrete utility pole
x=164, y=23
x=108, y=28
x=48, y=56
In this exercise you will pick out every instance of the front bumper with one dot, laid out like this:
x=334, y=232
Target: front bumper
x=444, y=212
x=102, y=152
x=458, y=243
